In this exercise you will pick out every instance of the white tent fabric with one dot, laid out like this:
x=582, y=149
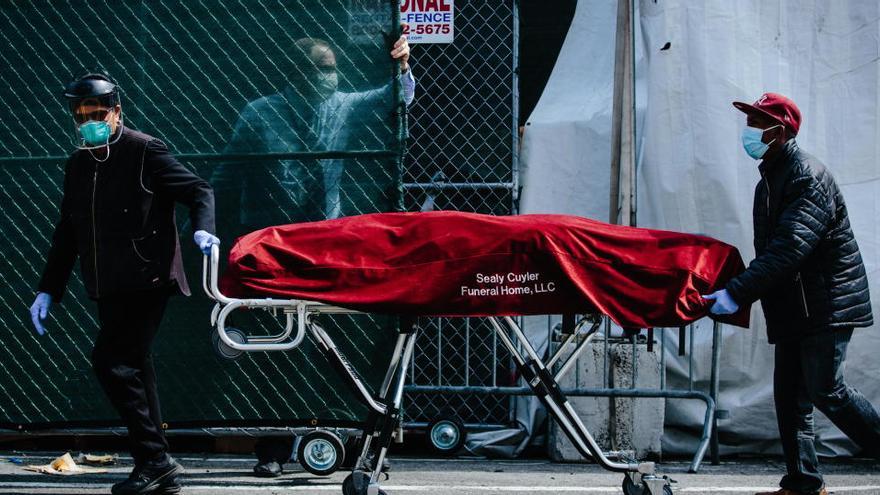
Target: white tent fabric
x=568, y=135
x=693, y=175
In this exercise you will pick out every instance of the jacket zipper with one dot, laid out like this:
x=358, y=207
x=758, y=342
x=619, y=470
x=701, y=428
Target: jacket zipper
x=767, y=186
x=800, y=282
x=797, y=277
x=137, y=252
x=94, y=231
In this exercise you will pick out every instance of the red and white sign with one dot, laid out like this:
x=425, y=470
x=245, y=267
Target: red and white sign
x=428, y=21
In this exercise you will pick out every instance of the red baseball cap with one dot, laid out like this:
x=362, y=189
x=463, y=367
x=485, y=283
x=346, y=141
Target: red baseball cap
x=777, y=107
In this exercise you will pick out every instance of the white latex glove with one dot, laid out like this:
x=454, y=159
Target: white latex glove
x=724, y=304
x=40, y=310
x=204, y=241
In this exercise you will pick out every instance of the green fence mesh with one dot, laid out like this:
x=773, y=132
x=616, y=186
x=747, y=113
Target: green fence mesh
x=188, y=69
x=220, y=82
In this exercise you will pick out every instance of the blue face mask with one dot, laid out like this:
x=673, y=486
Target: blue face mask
x=751, y=139
x=95, y=132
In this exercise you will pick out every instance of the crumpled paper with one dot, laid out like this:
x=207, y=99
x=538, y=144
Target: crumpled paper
x=66, y=466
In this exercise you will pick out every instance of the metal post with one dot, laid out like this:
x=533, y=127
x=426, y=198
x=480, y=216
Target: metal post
x=691, y=357
x=662, y=358
x=635, y=357
x=514, y=192
x=622, y=202
x=494, y=359
x=605, y=353
x=439, y=351
x=467, y=351
x=714, y=388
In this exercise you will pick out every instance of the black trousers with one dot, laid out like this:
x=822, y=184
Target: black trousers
x=123, y=362
x=809, y=373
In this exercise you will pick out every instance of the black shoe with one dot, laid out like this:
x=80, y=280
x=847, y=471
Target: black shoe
x=271, y=469
x=158, y=478
x=169, y=487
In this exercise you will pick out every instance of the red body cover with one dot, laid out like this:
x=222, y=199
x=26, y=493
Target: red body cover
x=464, y=264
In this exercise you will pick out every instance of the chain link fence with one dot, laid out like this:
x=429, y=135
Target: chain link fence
x=219, y=83
x=462, y=156
x=222, y=83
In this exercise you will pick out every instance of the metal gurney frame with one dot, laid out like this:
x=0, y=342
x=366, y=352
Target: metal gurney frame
x=384, y=405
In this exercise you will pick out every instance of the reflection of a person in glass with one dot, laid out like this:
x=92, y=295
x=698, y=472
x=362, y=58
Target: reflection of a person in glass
x=308, y=114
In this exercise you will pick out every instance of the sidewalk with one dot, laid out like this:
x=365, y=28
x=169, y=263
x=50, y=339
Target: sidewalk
x=230, y=475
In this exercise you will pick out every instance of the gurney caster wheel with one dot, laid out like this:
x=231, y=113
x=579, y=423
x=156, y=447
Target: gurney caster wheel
x=224, y=351
x=358, y=483
x=667, y=490
x=644, y=488
x=630, y=488
x=446, y=435
x=321, y=453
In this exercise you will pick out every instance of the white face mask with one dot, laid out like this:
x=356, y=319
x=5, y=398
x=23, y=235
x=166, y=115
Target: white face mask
x=326, y=83
x=752, y=140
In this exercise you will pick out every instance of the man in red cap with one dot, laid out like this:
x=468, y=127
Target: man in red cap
x=811, y=281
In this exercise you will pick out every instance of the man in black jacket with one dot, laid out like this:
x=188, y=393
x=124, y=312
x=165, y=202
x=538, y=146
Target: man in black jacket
x=813, y=288
x=117, y=216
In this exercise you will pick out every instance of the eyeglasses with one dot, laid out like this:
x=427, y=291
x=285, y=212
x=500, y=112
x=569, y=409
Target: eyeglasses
x=84, y=114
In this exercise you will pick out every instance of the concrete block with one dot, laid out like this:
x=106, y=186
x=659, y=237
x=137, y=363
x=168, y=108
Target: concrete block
x=593, y=411
x=637, y=424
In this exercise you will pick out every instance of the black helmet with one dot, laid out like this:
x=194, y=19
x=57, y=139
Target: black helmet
x=91, y=96
x=92, y=84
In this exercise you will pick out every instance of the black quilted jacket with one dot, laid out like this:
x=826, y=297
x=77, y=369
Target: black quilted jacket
x=807, y=272
x=117, y=217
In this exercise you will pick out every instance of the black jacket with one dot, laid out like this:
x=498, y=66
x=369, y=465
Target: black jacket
x=118, y=217
x=807, y=272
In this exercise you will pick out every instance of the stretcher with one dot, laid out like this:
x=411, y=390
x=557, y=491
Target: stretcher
x=459, y=264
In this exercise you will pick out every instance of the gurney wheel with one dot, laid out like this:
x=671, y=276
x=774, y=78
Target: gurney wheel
x=357, y=483
x=320, y=453
x=446, y=435
x=649, y=485
x=630, y=488
x=224, y=351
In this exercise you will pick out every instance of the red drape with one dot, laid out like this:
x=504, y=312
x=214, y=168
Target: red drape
x=464, y=264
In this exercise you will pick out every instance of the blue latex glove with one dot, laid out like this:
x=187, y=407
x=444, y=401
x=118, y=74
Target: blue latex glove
x=204, y=241
x=724, y=304
x=40, y=310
